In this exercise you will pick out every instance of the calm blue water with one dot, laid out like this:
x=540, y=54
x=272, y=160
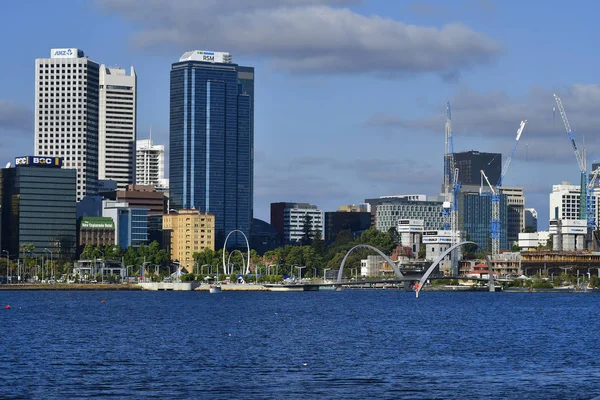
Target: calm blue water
x=351, y=344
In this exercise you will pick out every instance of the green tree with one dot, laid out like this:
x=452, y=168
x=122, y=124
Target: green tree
x=130, y=256
x=378, y=239
x=394, y=236
x=343, y=237
x=529, y=229
x=87, y=252
x=295, y=256
x=318, y=244
x=515, y=248
x=307, y=230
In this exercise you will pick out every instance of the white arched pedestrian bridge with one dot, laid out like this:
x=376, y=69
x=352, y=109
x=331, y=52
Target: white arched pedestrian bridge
x=427, y=273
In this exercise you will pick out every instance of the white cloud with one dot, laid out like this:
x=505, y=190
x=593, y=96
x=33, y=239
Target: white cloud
x=307, y=36
x=495, y=116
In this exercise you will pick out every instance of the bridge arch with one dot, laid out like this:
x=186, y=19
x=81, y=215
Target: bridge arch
x=386, y=258
x=225, y=249
x=444, y=254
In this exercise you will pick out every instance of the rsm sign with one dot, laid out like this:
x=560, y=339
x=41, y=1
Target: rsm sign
x=55, y=162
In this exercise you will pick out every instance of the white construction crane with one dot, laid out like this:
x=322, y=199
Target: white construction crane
x=585, y=194
x=448, y=169
x=496, y=221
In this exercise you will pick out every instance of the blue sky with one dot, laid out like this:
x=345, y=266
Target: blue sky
x=350, y=95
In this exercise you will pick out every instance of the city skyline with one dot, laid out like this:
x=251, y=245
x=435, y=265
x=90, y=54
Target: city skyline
x=348, y=117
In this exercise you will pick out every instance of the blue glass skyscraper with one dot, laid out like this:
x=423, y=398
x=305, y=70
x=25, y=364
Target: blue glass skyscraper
x=211, y=140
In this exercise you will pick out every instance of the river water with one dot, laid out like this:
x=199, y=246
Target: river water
x=328, y=345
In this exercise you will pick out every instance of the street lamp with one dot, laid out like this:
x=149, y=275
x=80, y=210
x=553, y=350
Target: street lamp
x=325, y=274
x=202, y=268
x=9, y=278
x=24, y=266
x=51, y=261
x=300, y=270
x=314, y=272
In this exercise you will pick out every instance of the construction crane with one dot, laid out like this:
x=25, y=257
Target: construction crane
x=585, y=193
x=496, y=221
x=448, y=169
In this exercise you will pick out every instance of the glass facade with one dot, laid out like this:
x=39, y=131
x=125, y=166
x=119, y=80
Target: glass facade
x=211, y=144
x=471, y=163
x=39, y=208
x=139, y=227
x=476, y=219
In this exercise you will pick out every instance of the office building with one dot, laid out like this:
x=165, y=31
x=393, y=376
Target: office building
x=131, y=224
x=144, y=196
x=371, y=204
x=66, y=113
x=211, y=141
x=117, y=125
x=189, y=232
x=391, y=209
x=475, y=219
x=564, y=202
x=38, y=200
x=291, y=219
x=531, y=219
x=150, y=164
x=515, y=217
x=471, y=163
x=354, y=221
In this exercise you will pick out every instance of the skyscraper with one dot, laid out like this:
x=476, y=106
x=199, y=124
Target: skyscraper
x=66, y=113
x=471, y=163
x=117, y=125
x=211, y=140
x=150, y=164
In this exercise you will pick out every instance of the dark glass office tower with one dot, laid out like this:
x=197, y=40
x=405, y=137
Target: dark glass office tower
x=38, y=207
x=471, y=163
x=211, y=141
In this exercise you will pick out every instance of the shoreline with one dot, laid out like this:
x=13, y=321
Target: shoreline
x=71, y=286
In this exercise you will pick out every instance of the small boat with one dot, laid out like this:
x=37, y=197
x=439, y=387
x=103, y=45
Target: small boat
x=215, y=288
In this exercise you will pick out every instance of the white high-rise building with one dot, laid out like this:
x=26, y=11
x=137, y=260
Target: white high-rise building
x=66, y=113
x=117, y=125
x=289, y=219
x=564, y=202
x=150, y=164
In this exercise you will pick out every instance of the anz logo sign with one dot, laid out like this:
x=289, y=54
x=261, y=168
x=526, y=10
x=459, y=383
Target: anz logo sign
x=57, y=53
x=63, y=52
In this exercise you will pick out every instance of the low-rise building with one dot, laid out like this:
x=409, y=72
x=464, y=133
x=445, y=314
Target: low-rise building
x=95, y=231
x=189, y=231
x=535, y=240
